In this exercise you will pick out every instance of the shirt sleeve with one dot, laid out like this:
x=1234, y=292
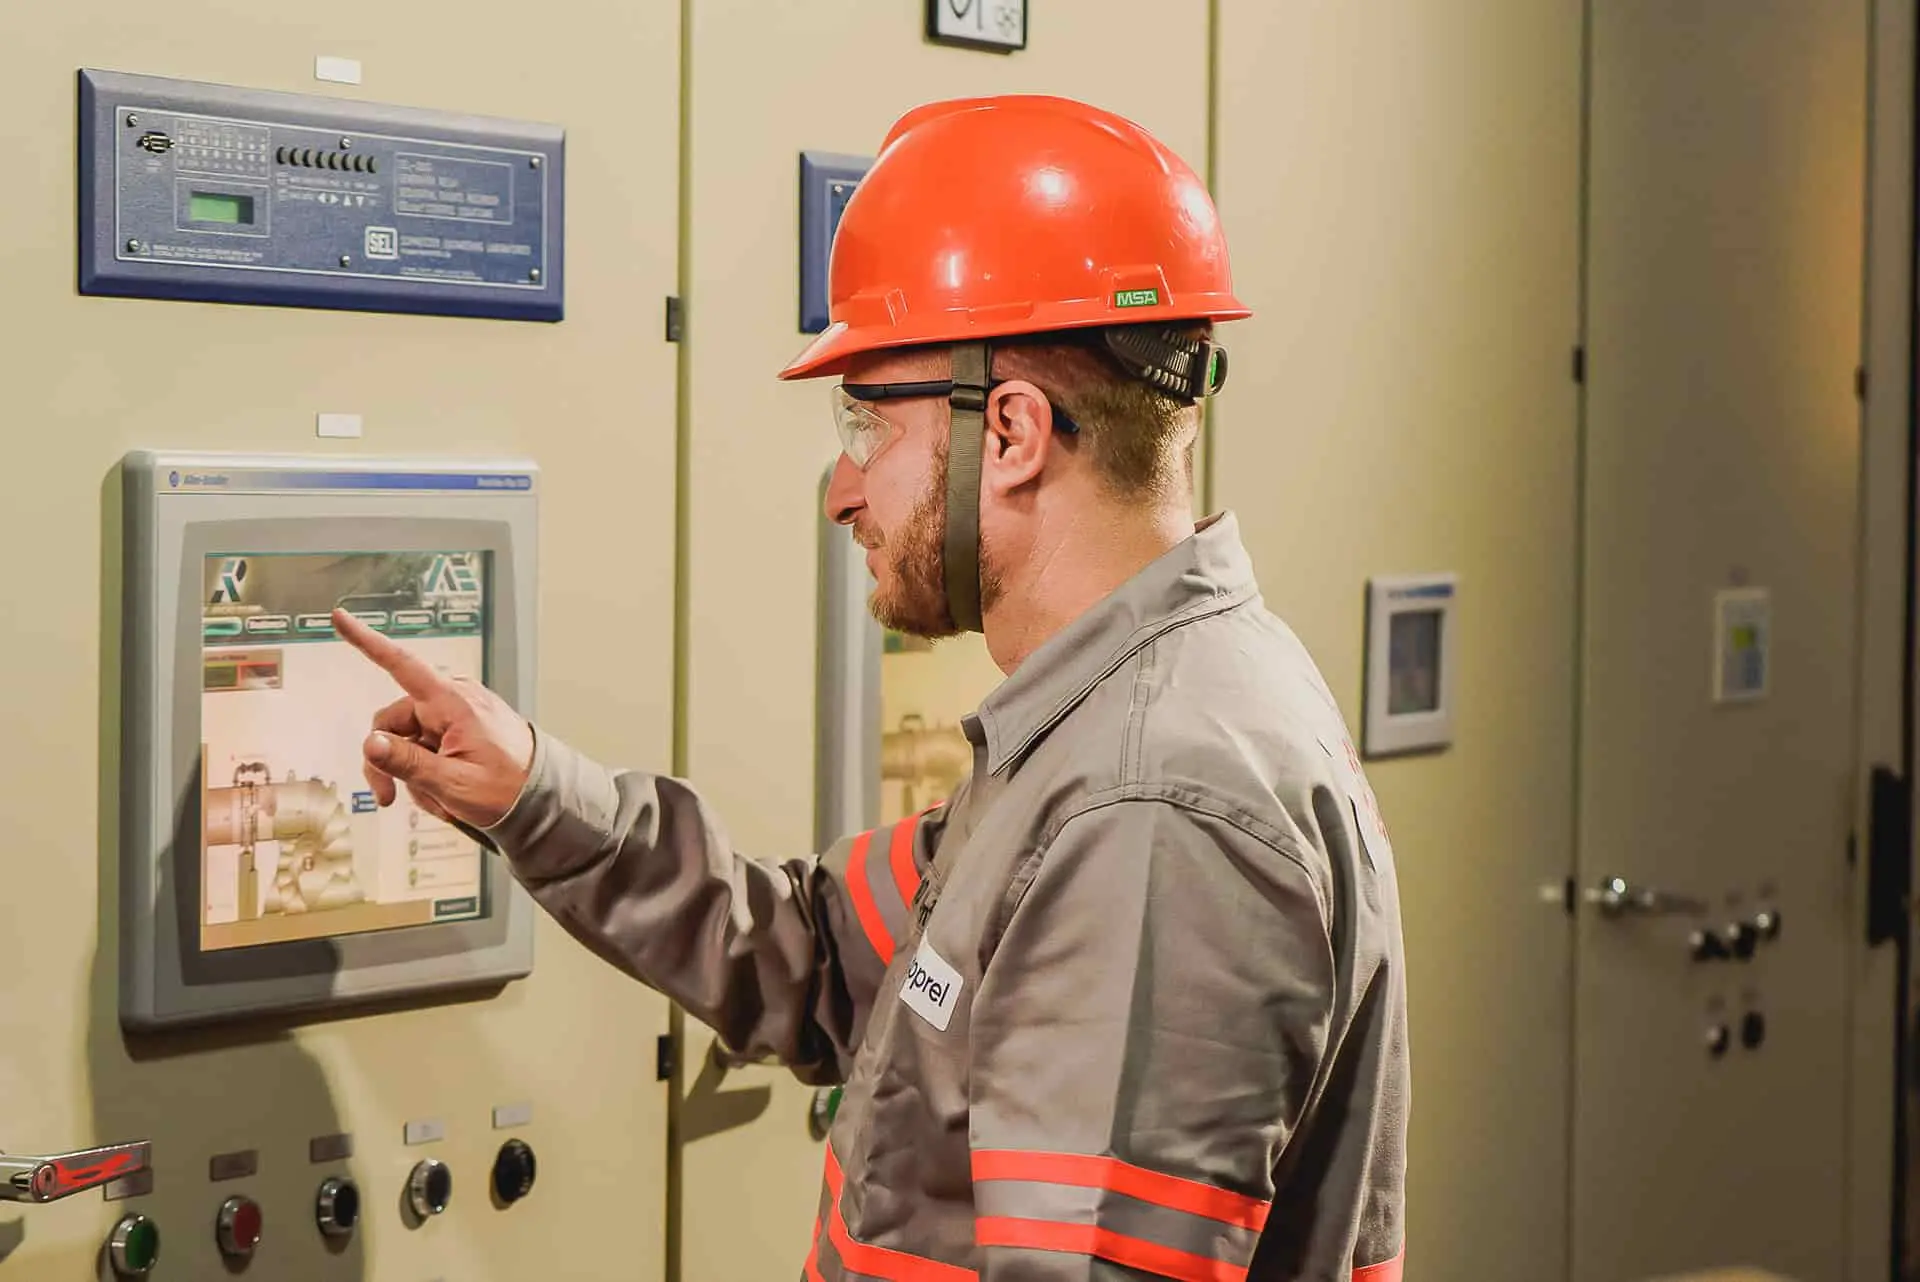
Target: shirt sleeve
x=780, y=958
x=1147, y=1034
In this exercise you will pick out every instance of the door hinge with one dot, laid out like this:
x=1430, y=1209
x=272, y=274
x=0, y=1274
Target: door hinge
x=1580, y=366
x=1860, y=382
x=663, y=1058
x=676, y=319
x=1889, y=856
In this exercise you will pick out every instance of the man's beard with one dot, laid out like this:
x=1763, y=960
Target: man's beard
x=915, y=601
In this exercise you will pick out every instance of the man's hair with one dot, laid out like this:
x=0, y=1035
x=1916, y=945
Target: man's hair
x=1138, y=438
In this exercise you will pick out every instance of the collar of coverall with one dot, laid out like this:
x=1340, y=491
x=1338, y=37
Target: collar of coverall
x=1200, y=576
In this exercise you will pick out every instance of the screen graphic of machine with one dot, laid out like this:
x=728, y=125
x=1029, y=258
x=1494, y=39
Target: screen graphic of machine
x=293, y=845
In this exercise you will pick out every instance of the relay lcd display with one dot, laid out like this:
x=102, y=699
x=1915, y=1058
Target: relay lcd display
x=293, y=845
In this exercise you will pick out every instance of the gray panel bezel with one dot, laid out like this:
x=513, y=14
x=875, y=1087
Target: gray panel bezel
x=165, y=977
x=847, y=722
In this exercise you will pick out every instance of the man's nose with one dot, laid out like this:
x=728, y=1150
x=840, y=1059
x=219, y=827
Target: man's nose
x=845, y=492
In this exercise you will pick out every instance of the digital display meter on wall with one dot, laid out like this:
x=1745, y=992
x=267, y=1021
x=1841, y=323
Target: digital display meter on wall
x=999, y=26
x=1410, y=661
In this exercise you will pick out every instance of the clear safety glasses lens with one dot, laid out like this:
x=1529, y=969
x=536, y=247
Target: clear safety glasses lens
x=864, y=432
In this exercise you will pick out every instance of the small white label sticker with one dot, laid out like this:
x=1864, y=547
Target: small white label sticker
x=330, y=1148
x=1743, y=645
x=337, y=426
x=426, y=1130
x=234, y=1166
x=341, y=71
x=139, y=1184
x=932, y=988
x=507, y=1116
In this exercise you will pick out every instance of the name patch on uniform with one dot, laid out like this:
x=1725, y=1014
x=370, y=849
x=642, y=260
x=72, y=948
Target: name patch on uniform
x=932, y=990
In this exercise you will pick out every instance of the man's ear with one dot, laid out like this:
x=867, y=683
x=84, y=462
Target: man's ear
x=1020, y=437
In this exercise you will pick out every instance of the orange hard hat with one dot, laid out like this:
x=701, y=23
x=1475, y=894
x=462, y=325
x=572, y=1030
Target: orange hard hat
x=985, y=218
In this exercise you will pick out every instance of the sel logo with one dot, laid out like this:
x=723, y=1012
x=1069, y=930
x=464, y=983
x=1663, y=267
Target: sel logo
x=383, y=242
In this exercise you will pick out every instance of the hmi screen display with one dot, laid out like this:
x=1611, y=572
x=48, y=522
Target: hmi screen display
x=293, y=845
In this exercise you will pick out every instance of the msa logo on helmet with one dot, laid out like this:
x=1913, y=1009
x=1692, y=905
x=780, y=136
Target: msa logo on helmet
x=452, y=576
x=932, y=987
x=1137, y=298
x=233, y=572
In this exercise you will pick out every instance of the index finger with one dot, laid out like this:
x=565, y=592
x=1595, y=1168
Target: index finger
x=414, y=674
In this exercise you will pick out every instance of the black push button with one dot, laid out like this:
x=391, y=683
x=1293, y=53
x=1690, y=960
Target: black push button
x=513, y=1171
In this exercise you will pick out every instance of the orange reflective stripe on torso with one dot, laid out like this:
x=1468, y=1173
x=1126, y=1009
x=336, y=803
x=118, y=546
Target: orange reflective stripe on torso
x=1116, y=1176
x=1387, y=1271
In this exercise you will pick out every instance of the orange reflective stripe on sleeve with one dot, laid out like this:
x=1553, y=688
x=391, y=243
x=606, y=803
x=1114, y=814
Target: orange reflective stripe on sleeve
x=865, y=907
x=906, y=874
x=878, y=1261
x=1085, y=1239
x=1388, y=1271
x=1115, y=1176
x=873, y=885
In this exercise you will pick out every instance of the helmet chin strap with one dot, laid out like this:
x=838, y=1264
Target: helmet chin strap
x=966, y=439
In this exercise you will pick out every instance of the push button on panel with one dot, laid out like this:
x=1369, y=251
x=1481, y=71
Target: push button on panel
x=237, y=1228
x=337, y=1209
x=513, y=1171
x=430, y=1187
x=134, y=1247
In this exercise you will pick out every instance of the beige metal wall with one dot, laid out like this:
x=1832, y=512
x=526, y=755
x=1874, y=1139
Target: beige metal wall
x=590, y=399
x=1401, y=183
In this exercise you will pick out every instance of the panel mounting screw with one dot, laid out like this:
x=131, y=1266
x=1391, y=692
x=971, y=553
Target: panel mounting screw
x=133, y=247
x=132, y=120
x=533, y=162
x=346, y=260
x=534, y=274
x=345, y=143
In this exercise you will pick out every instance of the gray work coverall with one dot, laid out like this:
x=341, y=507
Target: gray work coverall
x=1131, y=1003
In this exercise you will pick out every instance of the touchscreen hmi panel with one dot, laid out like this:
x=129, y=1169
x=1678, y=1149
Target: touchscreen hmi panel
x=293, y=845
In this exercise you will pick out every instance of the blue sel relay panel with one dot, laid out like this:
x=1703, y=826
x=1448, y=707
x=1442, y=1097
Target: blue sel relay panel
x=217, y=194
x=827, y=183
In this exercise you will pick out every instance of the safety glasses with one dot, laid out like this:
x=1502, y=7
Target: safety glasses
x=864, y=431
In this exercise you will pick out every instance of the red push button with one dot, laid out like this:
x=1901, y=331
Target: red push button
x=238, y=1228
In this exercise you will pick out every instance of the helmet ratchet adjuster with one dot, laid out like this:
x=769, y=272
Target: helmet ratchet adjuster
x=1176, y=363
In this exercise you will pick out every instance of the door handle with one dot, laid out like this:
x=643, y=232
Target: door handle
x=1616, y=897
x=48, y=1179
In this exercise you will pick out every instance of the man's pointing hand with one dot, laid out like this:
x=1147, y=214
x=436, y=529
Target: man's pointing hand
x=462, y=752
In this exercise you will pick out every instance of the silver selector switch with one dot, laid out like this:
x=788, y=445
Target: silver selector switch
x=429, y=1187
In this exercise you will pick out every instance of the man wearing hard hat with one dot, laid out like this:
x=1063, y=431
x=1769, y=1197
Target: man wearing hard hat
x=1132, y=1002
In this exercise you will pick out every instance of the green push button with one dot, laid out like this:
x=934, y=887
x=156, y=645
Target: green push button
x=825, y=1107
x=134, y=1247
